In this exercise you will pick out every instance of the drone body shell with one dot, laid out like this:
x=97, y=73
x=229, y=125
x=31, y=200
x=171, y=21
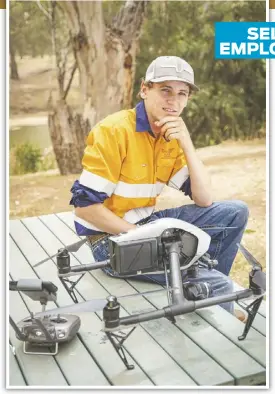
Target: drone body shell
x=158, y=227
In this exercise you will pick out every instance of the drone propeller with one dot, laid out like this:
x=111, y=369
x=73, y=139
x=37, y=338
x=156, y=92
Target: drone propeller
x=217, y=228
x=86, y=306
x=251, y=259
x=92, y=305
x=259, y=277
x=70, y=248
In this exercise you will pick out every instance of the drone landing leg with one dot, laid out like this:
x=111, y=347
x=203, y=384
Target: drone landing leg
x=117, y=342
x=252, y=310
x=71, y=287
x=172, y=319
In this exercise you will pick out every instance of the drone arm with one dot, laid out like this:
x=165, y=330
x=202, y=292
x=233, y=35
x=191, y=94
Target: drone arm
x=238, y=295
x=184, y=307
x=139, y=318
x=85, y=268
x=172, y=310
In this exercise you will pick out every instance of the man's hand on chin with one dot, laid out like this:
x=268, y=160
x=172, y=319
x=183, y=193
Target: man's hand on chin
x=174, y=128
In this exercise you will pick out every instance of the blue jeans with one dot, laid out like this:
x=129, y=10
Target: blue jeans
x=223, y=246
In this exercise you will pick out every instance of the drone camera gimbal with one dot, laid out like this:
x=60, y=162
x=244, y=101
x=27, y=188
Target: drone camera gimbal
x=143, y=256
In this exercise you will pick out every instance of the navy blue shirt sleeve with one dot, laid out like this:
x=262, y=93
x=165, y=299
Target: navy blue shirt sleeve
x=83, y=196
x=186, y=188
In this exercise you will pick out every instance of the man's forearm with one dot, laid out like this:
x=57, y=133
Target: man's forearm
x=200, y=181
x=104, y=219
x=173, y=127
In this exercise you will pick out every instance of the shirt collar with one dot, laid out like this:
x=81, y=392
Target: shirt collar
x=142, y=122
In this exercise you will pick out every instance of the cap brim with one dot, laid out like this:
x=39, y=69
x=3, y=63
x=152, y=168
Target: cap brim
x=163, y=79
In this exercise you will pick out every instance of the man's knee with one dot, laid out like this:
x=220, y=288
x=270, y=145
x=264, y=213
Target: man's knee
x=234, y=208
x=240, y=207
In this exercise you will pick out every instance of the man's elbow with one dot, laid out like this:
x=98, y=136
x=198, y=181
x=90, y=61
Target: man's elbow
x=204, y=203
x=208, y=203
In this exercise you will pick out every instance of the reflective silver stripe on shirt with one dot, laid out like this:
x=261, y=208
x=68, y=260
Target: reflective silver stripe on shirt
x=96, y=182
x=179, y=178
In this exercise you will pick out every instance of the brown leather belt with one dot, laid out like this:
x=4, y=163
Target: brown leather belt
x=93, y=239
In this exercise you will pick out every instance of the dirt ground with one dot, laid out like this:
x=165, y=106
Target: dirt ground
x=238, y=169
x=237, y=172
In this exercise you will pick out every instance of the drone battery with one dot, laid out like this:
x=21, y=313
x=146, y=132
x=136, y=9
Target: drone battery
x=135, y=257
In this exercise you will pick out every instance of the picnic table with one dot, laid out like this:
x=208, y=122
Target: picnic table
x=200, y=349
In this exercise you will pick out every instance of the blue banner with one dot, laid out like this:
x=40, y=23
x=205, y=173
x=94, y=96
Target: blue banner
x=244, y=40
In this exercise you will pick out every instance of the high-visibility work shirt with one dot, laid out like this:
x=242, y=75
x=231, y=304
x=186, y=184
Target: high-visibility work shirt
x=125, y=167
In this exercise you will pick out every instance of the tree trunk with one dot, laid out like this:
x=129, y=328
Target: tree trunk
x=68, y=132
x=105, y=58
x=13, y=64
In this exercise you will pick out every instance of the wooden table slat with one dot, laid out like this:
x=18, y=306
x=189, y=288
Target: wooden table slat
x=254, y=344
x=15, y=375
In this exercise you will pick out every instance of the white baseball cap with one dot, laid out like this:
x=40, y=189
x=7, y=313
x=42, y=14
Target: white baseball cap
x=170, y=68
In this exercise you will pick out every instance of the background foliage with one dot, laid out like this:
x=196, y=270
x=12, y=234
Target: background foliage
x=231, y=102
x=30, y=32
x=27, y=158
